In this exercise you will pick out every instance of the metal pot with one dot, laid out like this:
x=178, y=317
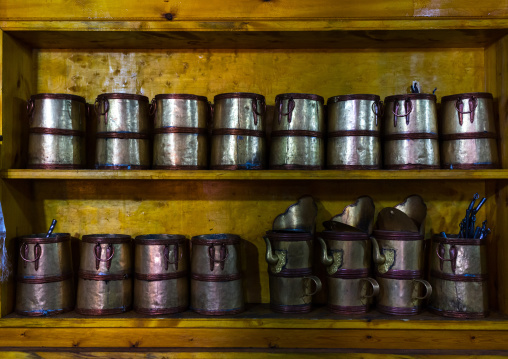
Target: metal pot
x=292, y=294
x=297, y=132
x=345, y=254
x=105, y=275
x=45, y=284
x=57, y=131
x=289, y=254
x=459, y=277
x=238, y=135
x=180, y=140
x=398, y=255
x=402, y=296
x=123, y=139
x=354, y=122
x=161, y=274
x=410, y=132
x=216, y=279
x=468, y=131
x=351, y=295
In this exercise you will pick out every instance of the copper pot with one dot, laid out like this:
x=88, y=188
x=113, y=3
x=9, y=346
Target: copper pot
x=123, y=138
x=238, y=134
x=292, y=294
x=105, y=275
x=297, y=132
x=161, y=274
x=57, y=131
x=354, y=122
x=468, y=131
x=459, y=277
x=402, y=296
x=180, y=140
x=45, y=284
x=216, y=279
x=351, y=295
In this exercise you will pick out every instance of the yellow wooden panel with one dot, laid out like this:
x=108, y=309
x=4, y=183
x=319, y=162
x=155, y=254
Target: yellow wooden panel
x=464, y=8
x=204, y=10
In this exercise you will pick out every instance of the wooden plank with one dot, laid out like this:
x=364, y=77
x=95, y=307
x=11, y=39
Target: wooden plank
x=251, y=338
x=466, y=8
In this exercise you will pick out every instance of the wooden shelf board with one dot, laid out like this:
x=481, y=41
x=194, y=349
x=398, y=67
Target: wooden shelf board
x=213, y=175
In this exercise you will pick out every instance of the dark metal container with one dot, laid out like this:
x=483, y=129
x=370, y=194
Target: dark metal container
x=57, y=131
x=161, y=284
x=468, y=131
x=123, y=138
x=45, y=284
x=349, y=296
x=410, y=132
x=180, y=135
x=458, y=274
x=216, y=279
x=297, y=132
x=402, y=296
x=238, y=134
x=354, y=123
x=105, y=274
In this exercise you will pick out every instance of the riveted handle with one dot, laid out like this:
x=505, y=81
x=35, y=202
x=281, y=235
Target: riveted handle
x=378, y=109
x=177, y=254
x=459, y=106
x=152, y=110
x=30, y=107
x=318, y=283
x=97, y=105
x=289, y=113
x=255, y=110
x=224, y=254
x=408, y=107
x=428, y=288
x=375, y=287
x=37, y=252
x=97, y=252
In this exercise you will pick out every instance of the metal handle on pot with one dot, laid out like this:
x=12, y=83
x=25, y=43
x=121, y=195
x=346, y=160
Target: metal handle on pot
x=440, y=251
x=37, y=252
x=224, y=254
x=473, y=103
x=255, y=110
x=408, y=107
x=106, y=108
x=291, y=107
x=377, y=108
x=152, y=110
x=318, y=283
x=30, y=107
x=178, y=258
x=375, y=287
x=210, y=106
x=97, y=252
x=428, y=288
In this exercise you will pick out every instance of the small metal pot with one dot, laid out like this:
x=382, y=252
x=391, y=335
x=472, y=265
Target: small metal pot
x=180, y=140
x=45, y=284
x=351, y=295
x=468, y=131
x=238, y=135
x=354, y=122
x=161, y=274
x=292, y=294
x=398, y=255
x=105, y=275
x=297, y=132
x=459, y=277
x=410, y=132
x=123, y=138
x=57, y=131
x=402, y=296
x=216, y=279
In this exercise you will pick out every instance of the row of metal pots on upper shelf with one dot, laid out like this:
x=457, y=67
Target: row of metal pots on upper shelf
x=409, y=128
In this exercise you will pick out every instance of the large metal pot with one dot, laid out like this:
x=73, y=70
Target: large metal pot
x=351, y=295
x=45, y=284
x=216, y=279
x=402, y=296
x=105, y=274
x=57, y=131
x=180, y=140
x=297, y=132
x=123, y=138
x=410, y=132
x=398, y=255
x=468, y=131
x=354, y=122
x=238, y=135
x=161, y=274
x=292, y=294
x=459, y=277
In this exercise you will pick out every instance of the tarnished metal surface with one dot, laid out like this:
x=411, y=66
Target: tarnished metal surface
x=299, y=216
x=292, y=295
x=345, y=254
x=392, y=219
x=122, y=132
x=402, y=296
x=458, y=272
x=180, y=139
x=416, y=209
x=410, y=132
x=354, y=123
x=289, y=253
x=238, y=135
x=473, y=153
x=216, y=284
x=57, y=131
x=45, y=284
x=359, y=214
x=397, y=254
x=297, y=132
x=161, y=274
x=105, y=274
x=351, y=295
